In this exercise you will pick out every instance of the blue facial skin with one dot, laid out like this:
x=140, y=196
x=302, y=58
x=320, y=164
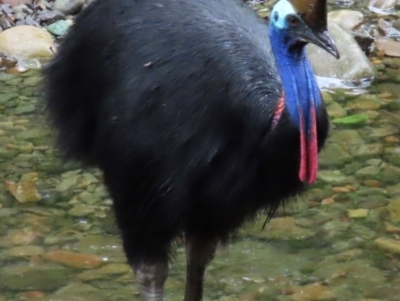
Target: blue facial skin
x=298, y=79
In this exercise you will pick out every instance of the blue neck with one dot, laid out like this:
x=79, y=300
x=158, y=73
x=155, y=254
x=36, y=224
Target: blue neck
x=298, y=79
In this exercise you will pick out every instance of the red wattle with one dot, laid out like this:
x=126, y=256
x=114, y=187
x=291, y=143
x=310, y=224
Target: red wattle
x=308, y=149
x=303, y=149
x=312, y=148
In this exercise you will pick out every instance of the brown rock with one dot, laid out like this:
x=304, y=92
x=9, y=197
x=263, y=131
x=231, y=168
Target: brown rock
x=315, y=291
x=24, y=191
x=74, y=259
x=390, y=228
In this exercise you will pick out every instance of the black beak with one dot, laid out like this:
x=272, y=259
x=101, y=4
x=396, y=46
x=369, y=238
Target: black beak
x=325, y=41
x=321, y=38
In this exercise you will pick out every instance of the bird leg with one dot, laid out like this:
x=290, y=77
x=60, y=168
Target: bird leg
x=151, y=279
x=199, y=253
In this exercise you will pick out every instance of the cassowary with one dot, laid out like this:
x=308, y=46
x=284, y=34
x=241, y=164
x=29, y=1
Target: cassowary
x=199, y=113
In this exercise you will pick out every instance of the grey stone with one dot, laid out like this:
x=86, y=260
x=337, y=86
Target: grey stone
x=68, y=7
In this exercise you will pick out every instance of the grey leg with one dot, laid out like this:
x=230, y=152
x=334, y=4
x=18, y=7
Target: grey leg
x=199, y=253
x=151, y=279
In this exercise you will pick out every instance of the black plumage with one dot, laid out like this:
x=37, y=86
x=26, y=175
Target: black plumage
x=173, y=101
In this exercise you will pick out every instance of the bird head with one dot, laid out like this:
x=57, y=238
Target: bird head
x=304, y=21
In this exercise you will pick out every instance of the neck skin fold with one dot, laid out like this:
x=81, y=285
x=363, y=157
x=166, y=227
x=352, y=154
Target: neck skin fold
x=302, y=98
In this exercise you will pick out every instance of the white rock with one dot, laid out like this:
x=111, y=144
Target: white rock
x=27, y=42
x=353, y=67
x=346, y=18
x=382, y=6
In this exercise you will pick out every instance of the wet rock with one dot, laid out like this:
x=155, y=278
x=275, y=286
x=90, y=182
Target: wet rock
x=383, y=292
x=368, y=171
x=332, y=176
x=393, y=190
x=69, y=7
x=108, y=247
x=67, y=183
x=348, y=137
x=334, y=154
x=81, y=210
x=335, y=110
x=59, y=28
x=388, y=47
x=357, y=213
x=365, y=102
x=49, y=16
x=389, y=174
x=390, y=228
x=104, y=272
x=89, y=198
x=353, y=66
x=335, y=228
x=53, y=239
x=346, y=18
x=372, y=202
x=360, y=272
x=312, y=292
x=6, y=97
x=385, y=130
x=285, y=228
x=24, y=109
x=327, y=97
x=29, y=134
x=27, y=42
x=25, y=276
x=367, y=150
x=25, y=251
x=32, y=81
x=382, y=6
x=388, y=244
x=24, y=191
x=77, y=291
x=386, y=28
x=394, y=209
x=74, y=259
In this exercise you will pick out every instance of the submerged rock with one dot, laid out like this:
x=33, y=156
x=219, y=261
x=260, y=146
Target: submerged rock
x=25, y=251
x=348, y=137
x=286, y=228
x=25, y=277
x=77, y=291
x=353, y=67
x=394, y=209
x=388, y=244
x=334, y=154
x=311, y=292
x=335, y=110
x=74, y=259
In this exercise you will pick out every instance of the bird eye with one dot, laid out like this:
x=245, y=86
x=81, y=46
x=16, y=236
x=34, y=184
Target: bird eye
x=293, y=21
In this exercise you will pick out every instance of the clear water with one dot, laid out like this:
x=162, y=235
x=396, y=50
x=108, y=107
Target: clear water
x=339, y=241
